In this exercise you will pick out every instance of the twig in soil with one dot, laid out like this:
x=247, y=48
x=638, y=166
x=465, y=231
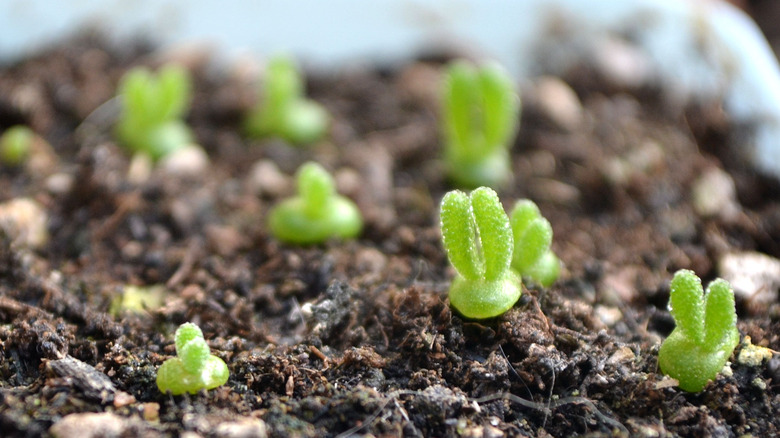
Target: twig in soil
x=17, y=308
x=552, y=405
x=127, y=204
x=192, y=254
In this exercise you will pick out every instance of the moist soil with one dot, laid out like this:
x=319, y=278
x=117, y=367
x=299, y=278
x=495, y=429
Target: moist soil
x=357, y=337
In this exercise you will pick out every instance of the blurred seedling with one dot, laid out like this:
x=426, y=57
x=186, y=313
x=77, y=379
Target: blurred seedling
x=479, y=120
x=283, y=110
x=153, y=106
x=317, y=213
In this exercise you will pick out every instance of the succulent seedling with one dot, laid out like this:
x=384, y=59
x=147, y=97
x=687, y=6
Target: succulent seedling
x=15, y=145
x=706, y=332
x=284, y=112
x=479, y=120
x=533, y=234
x=153, y=108
x=478, y=240
x=317, y=213
x=194, y=367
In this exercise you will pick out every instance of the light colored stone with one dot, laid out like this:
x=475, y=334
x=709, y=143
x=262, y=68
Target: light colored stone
x=89, y=425
x=609, y=315
x=715, y=195
x=265, y=178
x=558, y=102
x=189, y=161
x=25, y=221
x=59, y=183
x=622, y=63
x=243, y=428
x=754, y=276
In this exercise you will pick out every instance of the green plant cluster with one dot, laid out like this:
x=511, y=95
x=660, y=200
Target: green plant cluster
x=283, y=111
x=479, y=120
x=194, y=368
x=151, y=121
x=317, y=213
x=706, y=332
x=489, y=249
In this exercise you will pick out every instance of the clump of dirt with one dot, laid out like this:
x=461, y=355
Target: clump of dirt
x=358, y=337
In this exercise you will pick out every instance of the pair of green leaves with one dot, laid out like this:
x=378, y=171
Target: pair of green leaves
x=284, y=112
x=153, y=109
x=706, y=332
x=194, y=367
x=486, y=248
x=479, y=120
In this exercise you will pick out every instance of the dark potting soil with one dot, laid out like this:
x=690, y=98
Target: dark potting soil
x=357, y=337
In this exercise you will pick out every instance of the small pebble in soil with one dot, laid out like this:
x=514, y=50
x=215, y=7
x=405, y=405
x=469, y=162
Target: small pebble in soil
x=265, y=179
x=25, y=221
x=621, y=63
x=715, y=195
x=190, y=161
x=557, y=102
x=753, y=275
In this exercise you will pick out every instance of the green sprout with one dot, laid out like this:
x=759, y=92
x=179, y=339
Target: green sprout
x=15, y=145
x=478, y=240
x=138, y=299
x=153, y=109
x=533, y=234
x=317, y=213
x=194, y=367
x=706, y=332
x=479, y=120
x=284, y=112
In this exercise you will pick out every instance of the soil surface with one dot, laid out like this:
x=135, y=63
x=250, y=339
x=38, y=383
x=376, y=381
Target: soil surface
x=357, y=338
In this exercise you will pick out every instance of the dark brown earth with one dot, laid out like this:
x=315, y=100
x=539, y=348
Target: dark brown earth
x=357, y=337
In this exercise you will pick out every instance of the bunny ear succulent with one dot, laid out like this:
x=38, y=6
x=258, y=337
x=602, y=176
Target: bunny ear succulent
x=478, y=240
x=153, y=109
x=706, y=332
x=194, y=367
x=533, y=234
x=479, y=119
x=317, y=213
x=284, y=111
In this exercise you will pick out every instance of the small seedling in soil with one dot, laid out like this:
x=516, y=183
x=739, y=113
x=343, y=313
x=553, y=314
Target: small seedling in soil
x=706, y=333
x=153, y=108
x=284, y=112
x=533, y=234
x=479, y=120
x=478, y=240
x=15, y=145
x=317, y=214
x=194, y=367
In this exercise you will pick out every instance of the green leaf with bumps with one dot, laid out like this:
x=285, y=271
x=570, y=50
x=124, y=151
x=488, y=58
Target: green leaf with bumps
x=477, y=238
x=533, y=235
x=706, y=332
x=194, y=368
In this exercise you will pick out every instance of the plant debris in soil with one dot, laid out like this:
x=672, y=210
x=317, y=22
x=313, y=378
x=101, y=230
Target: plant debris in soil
x=357, y=337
